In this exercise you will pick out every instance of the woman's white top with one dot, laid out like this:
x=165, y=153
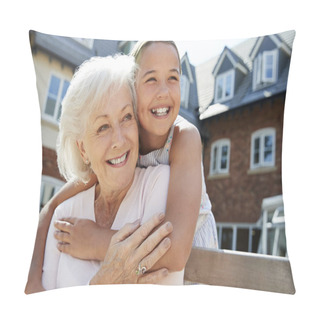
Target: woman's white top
x=147, y=196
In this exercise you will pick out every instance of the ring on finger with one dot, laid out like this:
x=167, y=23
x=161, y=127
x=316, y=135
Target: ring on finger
x=140, y=270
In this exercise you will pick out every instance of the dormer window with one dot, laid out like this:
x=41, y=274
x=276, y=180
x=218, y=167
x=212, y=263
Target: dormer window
x=265, y=69
x=184, y=87
x=224, y=86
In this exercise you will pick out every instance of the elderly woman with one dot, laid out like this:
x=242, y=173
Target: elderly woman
x=99, y=134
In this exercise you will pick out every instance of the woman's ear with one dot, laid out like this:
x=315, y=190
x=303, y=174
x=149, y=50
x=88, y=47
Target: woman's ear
x=82, y=150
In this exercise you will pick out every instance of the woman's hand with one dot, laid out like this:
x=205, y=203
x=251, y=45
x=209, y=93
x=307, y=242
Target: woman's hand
x=82, y=238
x=133, y=247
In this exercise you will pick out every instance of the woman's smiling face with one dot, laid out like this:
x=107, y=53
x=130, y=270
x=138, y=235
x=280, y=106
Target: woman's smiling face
x=111, y=142
x=158, y=88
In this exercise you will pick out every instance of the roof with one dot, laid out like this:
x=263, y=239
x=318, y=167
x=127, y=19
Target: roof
x=191, y=114
x=69, y=49
x=189, y=70
x=236, y=61
x=240, y=55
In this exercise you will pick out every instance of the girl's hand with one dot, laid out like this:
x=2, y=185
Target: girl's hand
x=82, y=238
x=131, y=247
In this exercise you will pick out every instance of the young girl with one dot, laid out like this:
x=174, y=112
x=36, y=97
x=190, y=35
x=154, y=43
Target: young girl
x=165, y=138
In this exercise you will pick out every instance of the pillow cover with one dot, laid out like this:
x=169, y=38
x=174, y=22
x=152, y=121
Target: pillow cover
x=236, y=99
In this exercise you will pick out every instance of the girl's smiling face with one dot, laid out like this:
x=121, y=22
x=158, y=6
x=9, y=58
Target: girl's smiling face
x=158, y=88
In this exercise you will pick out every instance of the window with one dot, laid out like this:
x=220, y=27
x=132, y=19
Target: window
x=224, y=86
x=57, y=90
x=184, y=87
x=265, y=68
x=49, y=187
x=219, y=160
x=263, y=148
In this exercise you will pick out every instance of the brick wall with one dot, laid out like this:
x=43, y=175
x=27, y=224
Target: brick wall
x=49, y=163
x=238, y=197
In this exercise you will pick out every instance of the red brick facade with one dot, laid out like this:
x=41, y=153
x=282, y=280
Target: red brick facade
x=49, y=163
x=238, y=196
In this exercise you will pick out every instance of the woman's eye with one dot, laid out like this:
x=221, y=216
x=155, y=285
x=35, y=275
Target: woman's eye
x=103, y=128
x=128, y=117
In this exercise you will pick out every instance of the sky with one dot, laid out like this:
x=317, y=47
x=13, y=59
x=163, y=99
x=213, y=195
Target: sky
x=201, y=51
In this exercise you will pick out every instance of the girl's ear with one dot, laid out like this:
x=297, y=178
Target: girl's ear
x=82, y=150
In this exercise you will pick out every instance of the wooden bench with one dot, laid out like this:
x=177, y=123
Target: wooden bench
x=240, y=270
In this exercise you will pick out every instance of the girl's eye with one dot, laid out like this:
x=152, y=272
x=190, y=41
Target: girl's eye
x=103, y=128
x=174, y=78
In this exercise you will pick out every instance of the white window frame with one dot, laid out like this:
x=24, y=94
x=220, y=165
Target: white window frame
x=261, y=134
x=184, y=88
x=260, y=68
x=222, y=78
x=273, y=67
x=218, y=145
x=49, y=187
x=59, y=97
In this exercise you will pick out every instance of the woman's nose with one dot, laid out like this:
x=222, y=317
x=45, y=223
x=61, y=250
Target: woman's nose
x=117, y=137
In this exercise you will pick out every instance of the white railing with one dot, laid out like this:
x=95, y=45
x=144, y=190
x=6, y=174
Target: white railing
x=272, y=220
x=271, y=224
x=257, y=271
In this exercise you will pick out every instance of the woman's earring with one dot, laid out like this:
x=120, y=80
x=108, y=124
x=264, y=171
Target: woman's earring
x=86, y=162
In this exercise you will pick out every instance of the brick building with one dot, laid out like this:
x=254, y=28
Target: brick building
x=244, y=89
x=238, y=193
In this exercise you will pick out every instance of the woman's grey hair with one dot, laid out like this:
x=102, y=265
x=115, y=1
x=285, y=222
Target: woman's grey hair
x=93, y=82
